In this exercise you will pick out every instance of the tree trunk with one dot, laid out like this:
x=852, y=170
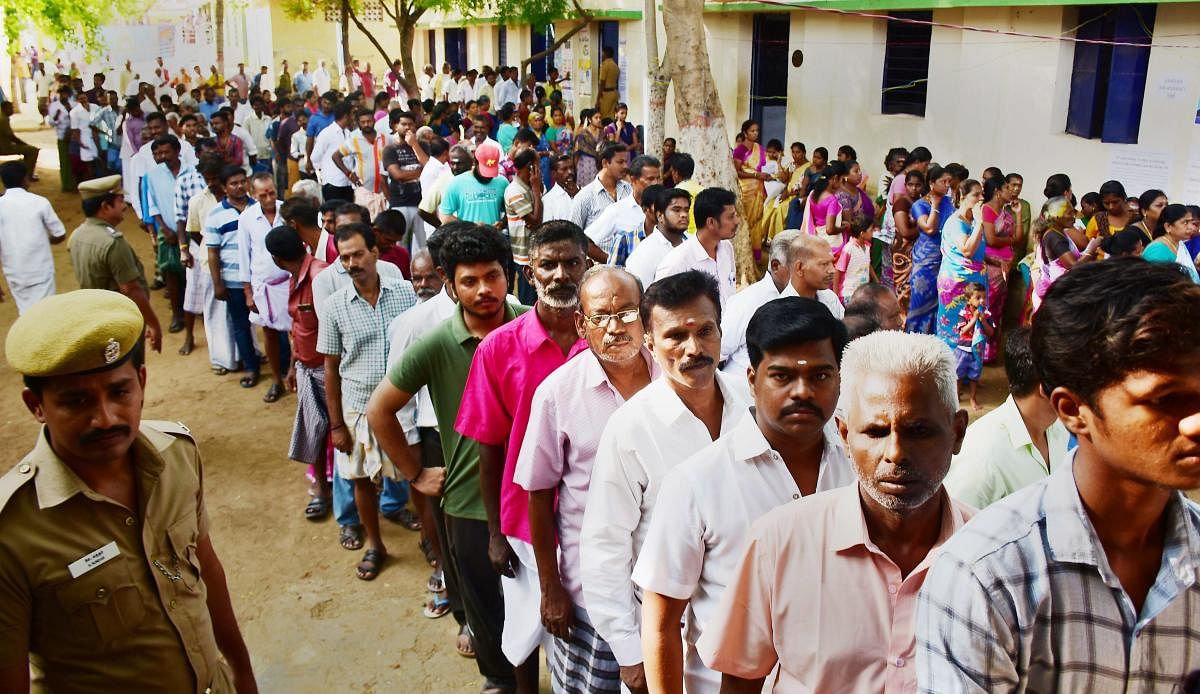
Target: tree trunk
x=345, y=20
x=584, y=17
x=702, y=131
x=659, y=79
x=408, y=31
x=219, y=18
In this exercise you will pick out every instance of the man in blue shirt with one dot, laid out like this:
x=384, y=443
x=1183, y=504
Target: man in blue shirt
x=477, y=195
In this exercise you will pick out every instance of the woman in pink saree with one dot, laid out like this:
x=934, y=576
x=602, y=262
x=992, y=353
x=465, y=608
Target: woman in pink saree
x=1002, y=233
x=822, y=211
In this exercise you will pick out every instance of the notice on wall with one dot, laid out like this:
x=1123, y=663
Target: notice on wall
x=1172, y=87
x=1139, y=169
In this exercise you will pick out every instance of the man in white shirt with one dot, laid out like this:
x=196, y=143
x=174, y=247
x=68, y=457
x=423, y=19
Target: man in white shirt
x=321, y=79
x=468, y=90
x=425, y=82
x=787, y=448
x=241, y=109
x=80, y=119
x=813, y=273
x=672, y=208
x=360, y=160
x=710, y=249
x=255, y=124
x=556, y=203
x=652, y=432
x=507, y=90
x=609, y=186
x=334, y=183
x=265, y=285
x=625, y=217
x=28, y=227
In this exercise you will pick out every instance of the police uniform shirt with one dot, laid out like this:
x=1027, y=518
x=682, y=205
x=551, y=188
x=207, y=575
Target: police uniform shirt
x=121, y=617
x=102, y=258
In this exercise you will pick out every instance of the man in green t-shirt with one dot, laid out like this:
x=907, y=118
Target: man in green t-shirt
x=478, y=195
x=474, y=260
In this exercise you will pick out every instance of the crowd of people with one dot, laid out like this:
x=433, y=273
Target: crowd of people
x=523, y=338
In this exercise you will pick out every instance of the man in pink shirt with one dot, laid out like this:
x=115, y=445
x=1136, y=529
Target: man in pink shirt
x=827, y=588
x=567, y=417
x=507, y=367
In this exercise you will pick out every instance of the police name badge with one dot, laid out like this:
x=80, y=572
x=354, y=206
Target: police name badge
x=93, y=559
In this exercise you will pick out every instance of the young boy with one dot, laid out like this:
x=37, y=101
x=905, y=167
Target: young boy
x=974, y=327
x=854, y=260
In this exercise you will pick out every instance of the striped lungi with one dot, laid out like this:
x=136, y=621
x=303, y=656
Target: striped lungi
x=311, y=429
x=583, y=663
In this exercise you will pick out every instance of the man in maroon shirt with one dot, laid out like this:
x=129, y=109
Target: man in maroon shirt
x=306, y=374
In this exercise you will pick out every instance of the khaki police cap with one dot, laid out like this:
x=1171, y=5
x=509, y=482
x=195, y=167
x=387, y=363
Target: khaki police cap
x=83, y=330
x=100, y=186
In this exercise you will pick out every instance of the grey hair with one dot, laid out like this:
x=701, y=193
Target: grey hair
x=901, y=354
x=309, y=189
x=781, y=244
x=804, y=246
x=462, y=149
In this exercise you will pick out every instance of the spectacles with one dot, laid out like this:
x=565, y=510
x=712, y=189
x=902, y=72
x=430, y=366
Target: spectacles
x=601, y=320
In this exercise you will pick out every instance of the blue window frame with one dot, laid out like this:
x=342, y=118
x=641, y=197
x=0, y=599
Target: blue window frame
x=1109, y=82
x=906, y=64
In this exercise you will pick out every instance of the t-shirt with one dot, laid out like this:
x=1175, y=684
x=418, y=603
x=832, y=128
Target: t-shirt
x=472, y=200
x=402, y=193
x=518, y=203
x=855, y=262
x=220, y=232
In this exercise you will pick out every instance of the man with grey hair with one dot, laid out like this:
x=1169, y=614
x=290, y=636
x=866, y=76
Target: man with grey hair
x=861, y=552
x=568, y=414
x=744, y=304
x=813, y=273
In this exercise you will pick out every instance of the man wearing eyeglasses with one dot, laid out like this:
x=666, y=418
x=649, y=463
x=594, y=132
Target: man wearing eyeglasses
x=566, y=418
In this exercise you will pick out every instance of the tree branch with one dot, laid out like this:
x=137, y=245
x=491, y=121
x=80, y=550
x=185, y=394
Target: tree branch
x=585, y=18
x=370, y=37
x=388, y=12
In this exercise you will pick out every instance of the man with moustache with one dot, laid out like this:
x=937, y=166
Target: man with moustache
x=459, y=162
x=710, y=250
x=861, y=552
x=658, y=428
x=264, y=285
x=495, y=412
x=108, y=576
x=474, y=260
x=813, y=273
x=567, y=415
x=556, y=203
x=353, y=337
x=787, y=448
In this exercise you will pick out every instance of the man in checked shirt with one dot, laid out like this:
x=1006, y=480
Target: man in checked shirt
x=1087, y=580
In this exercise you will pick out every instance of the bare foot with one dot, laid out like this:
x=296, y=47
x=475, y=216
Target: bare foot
x=975, y=406
x=188, y=346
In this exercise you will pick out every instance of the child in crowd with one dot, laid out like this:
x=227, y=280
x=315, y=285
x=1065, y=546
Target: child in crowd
x=854, y=260
x=974, y=327
x=774, y=159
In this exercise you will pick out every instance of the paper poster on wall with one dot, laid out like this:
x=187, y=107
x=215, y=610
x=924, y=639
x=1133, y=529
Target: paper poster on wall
x=1172, y=87
x=1139, y=169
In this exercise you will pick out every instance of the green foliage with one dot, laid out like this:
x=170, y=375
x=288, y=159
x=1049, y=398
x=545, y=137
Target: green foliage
x=534, y=12
x=66, y=21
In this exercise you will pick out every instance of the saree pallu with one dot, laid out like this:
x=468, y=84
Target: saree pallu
x=752, y=193
x=955, y=273
x=902, y=273
x=923, y=275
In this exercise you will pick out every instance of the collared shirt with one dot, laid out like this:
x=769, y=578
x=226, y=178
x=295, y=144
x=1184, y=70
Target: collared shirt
x=337, y=278
x=405, y=330
x=647, y=255
x=356, y=331
x=825, y=296
x=621, y=217
x=441, y=362
x=198, y=208
x=121, y=623
x=1025, y=599
x=642, y=441
x=556, y=204
x=27, y=223
x=221, y=232
x=80, y=119
x=254, y=260
x=496, y=402
x=814, y=595
x=998, y=457
x=593, y=198
x=431, y=198
x=691, y=255
x=518, y=203
x=735, y=318
x=256, y=125
x=701, y=527
x=59, y=115
x=507, y=92
x=283, y=135
x=327, y=146
x=160, y=194
x=188, y=184
x=304, y=313
x=365, y=159
x=566, y=419
x=102, y=257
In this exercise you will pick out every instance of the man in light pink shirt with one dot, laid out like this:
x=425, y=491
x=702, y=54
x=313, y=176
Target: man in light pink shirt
x=568, y=415
x=508, y=366
x=827, y=588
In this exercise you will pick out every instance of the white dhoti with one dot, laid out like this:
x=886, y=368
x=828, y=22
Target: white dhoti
x=199, y=287
x=271, y=300
x=523, y=630
x=416, y=225
x=28, y=294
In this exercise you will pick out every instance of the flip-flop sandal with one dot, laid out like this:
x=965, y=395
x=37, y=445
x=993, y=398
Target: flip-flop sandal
x=427, y=549
x=220, y=370
x=436, y=607
x=436, y=583
x=317, y=509
x=465, y=646
x=273, y=393
x=249, y=380
x=370, y=566
x=406, y=518
x=351, y=537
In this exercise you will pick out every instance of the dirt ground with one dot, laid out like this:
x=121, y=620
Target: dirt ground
x=309, y=624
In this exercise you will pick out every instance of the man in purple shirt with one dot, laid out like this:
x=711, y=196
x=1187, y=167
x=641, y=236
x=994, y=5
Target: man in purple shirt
x=283, y=142
x=495, y=412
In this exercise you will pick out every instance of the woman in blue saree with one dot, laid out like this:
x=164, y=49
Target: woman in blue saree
x=963, y=251
x=931, y=213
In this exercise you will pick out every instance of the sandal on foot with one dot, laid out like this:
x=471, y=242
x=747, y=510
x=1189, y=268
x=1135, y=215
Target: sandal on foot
x=249, y=380
x=351, y=537
x=436, y=582
x=465, y=646
x=426, y=547
x=317, y=509
x=406, y=518
x=371, y=564
x=437, y=606
x=220, y=370
x=176, y=326
x=273, y=393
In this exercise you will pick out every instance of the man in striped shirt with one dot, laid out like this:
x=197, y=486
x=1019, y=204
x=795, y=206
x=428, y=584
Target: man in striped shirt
x=221, y=239
x=1088, y=580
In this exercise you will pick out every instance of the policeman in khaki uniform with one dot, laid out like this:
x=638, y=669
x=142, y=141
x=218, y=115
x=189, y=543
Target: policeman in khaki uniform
x=108, y=579
x=101, y=256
